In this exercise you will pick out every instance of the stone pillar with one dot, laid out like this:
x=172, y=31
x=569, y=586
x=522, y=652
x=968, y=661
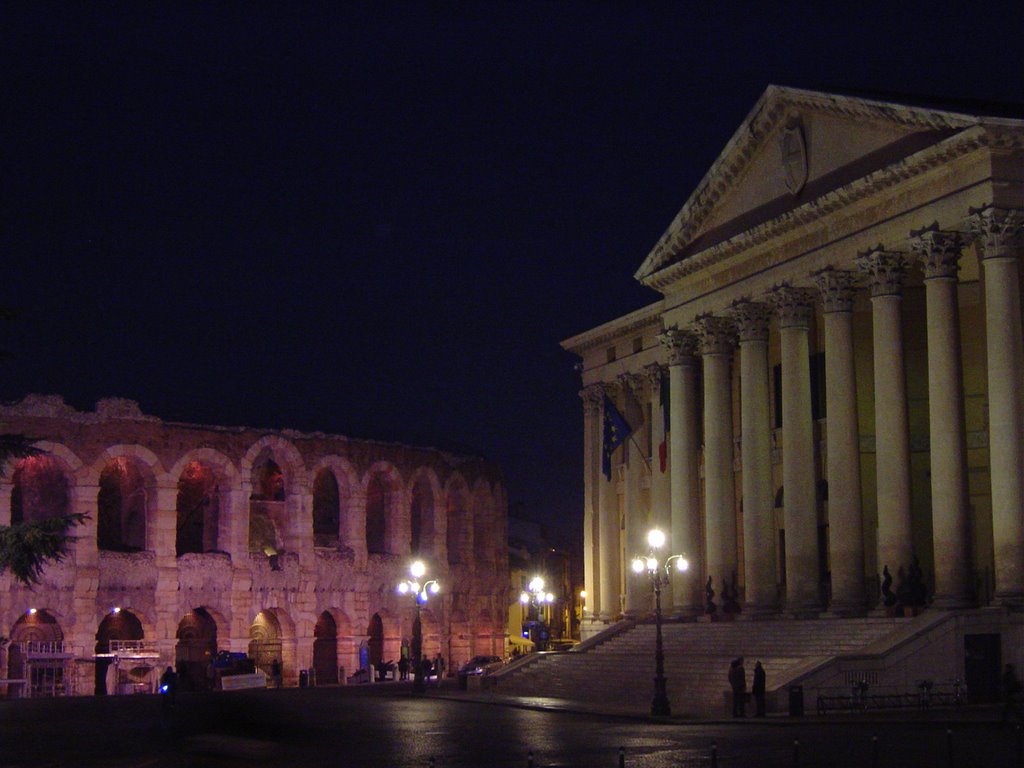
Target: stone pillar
x=999, y=233
x=885, y=270
x=591, y=397
x=683, y=471
x=761, y=595
x=842, y=444
x=608, y=539
x=661, y=501
x=635, y=516
x=717, y=336
x=951, y=526
x=795, y=309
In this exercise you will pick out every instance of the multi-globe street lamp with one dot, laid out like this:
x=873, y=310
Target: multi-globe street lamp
x=658, y=572
x=535, y=596
x=420, y=591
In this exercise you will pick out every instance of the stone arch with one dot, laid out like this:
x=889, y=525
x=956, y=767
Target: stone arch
x=40, y=488
x=426, y=523
x=326, y=508
x=127, y=477
x=284, y=453
x=348, y=486
x=483, y=524
x=325, y=649
x=120, y=630
x=272, y=638
x=227, y=478
x=274, y=474
x=383, y=491
x=458, y=508
x=195, y=649
x=202, y=505
x=375, y=639
x=37, y=630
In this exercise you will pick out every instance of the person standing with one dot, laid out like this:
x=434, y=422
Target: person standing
x=738, y=683
x=758, y=689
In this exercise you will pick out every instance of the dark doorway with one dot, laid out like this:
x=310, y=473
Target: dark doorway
x=376, y=642
x=197, y=645
x=982, y=664
x=116, y=626
x=325, y=650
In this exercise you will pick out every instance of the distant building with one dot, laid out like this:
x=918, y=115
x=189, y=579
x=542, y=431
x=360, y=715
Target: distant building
x=828, y=399
x=281, y=545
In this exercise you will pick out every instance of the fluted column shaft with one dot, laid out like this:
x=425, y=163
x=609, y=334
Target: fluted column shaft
x=637, y=592
x=761, y=595
x=951, y=532
x=795, y=308
x=683, y=471
x=660, y=495
x=842, y=444
x=999, y=237
x=608, y=545
x=892, y=431
x=591, y=397
x=717, y=342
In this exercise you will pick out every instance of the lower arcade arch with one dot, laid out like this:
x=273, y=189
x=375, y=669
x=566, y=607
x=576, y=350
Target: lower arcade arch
x=195, y=650
x=325, y=650
x=123, y=664
x=36, y=655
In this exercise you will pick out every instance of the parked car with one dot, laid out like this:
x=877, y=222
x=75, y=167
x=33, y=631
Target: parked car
x=478, y=665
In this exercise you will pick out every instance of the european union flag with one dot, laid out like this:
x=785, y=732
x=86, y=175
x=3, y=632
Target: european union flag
x=616, y=432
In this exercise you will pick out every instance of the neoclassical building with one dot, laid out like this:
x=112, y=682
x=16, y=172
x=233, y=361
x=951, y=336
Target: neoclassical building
x=278, y=544
x=835, y=369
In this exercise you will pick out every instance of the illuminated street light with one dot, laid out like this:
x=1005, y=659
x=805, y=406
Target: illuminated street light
x=420, y=593
x=659, y=576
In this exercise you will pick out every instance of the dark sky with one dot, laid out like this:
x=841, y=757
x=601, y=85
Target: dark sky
x=380, y=219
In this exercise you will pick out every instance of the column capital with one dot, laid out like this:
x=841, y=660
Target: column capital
x=938, y=250
x=837, y=287
x=885, y=270
x=632, y=383
x=751, y=318
x=592, y=398
x=681, y=346
x=794, y=306
x=996, y=230
x=717, y=334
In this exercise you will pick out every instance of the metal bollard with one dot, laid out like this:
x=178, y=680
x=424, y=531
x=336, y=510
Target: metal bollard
x=714, y=754
x=622, y=757
x=874, y=752
x=430, y=762
x=949, y=745
x=529, y=759
x=796, y=753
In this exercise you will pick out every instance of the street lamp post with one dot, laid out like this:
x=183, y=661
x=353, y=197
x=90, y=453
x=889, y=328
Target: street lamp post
x=658, y=573
x=535, y=597
x=420, y=592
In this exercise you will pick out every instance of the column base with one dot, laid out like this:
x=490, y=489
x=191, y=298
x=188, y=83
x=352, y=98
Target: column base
x=845, y=611
x=758, y=612
x=1013, y=601
x=951, y=602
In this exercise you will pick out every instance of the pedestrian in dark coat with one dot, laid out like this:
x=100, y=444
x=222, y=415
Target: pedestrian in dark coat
x=738, y=683
x=758, y=689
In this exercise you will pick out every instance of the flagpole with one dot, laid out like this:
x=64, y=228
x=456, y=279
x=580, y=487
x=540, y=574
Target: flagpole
x=647, y=462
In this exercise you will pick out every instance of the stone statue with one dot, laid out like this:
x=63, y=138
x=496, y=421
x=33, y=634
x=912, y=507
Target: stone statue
x=888, y=596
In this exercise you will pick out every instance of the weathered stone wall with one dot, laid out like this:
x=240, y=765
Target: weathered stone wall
x=300, y=582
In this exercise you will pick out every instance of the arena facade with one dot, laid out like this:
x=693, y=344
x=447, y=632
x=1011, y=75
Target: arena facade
x=834, y=374
x=273, y=543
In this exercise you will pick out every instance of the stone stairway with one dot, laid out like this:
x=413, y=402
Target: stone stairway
x=697, y=656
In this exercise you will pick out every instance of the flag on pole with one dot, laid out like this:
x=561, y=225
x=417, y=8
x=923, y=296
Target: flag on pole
x=616, y=432
x=663, y=447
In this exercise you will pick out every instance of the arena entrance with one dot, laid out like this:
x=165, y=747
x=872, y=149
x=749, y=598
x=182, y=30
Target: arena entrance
x=36, y=656
x=325, y=650
x=196, y=648
x=124, y=662
x=375, y=644
x=265, y=647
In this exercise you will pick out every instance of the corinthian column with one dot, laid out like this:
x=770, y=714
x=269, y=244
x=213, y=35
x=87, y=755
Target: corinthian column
x=951, y=534
x=999, y=234
x=683, y=470
x=660, y=496
x=717, y=342
x=635, y=514
x=755, y=434
x=842, y=444
x=885, y=270
x=591, y=397
x=608, y=539
x=795, y=307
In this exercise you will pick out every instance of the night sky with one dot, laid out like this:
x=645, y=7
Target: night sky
x=380, y=220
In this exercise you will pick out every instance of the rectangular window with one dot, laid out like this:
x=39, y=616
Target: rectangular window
x=638, y=345
x=611, y=354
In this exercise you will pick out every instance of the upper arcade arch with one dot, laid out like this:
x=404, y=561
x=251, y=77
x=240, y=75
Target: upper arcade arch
x=347, y=481
x=425, y=520
x=459, y=531
x=384, y=496
x=126, y=503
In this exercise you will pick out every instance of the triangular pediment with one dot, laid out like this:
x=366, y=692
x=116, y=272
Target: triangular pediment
x=795, y=147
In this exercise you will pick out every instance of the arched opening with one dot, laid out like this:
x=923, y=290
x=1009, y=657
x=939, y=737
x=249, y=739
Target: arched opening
x=456, y=527
x=266, y=507
x=421, y=514
x=265, y=644
x=325, y=650
x=375, y=644
x=121, y=507
x=326, y=509
x=40, y=490
x=121, y=663
x=195, y=651
x=36, y=655
x=482, y=537
x=198, y=510
x=376, y=516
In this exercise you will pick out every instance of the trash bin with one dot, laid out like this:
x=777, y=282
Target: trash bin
x=303, y=678
x=796, y=701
